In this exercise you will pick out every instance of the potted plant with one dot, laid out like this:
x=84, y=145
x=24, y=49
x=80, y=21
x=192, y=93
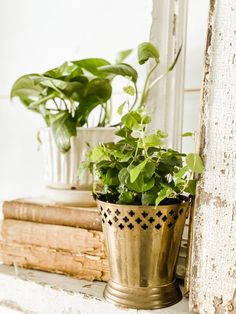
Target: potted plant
x=141, y=190
x=66, y=97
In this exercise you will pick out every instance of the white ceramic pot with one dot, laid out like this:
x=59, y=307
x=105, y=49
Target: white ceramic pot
x=61, y=170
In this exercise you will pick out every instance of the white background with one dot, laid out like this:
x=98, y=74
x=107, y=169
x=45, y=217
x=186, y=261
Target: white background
x=38, y=35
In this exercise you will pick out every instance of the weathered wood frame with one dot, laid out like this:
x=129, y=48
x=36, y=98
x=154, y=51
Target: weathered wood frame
x=213, y=260
x=168, y=32
x=212, y=267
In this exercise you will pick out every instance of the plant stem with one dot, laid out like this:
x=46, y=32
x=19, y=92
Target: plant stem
x=100, y=116
x=157, y=80
x=168, y=70
x=106, y=115
x=110, y=110
x=145, y=88
x=136, y=97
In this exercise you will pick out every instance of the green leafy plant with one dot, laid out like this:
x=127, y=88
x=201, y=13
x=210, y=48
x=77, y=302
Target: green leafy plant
x=146, y=51
x=138, y=169
x=66, y=96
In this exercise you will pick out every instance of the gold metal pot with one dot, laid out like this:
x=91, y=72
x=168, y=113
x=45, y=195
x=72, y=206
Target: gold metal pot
x=143, y=244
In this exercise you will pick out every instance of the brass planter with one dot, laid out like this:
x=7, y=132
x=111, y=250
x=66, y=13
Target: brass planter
x=143, y=244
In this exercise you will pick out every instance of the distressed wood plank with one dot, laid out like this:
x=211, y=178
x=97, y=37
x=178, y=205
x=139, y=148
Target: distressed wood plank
x=213, y=260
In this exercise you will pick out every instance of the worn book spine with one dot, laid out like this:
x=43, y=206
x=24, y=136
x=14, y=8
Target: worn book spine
x=1, y=241
x=87, y=218
x=57, y=261
x=54, y=236
x=73, y=251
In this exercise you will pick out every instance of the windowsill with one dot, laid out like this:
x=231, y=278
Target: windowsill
x=40, y=292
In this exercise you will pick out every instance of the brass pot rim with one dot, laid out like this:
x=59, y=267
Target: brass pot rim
x=142, y=207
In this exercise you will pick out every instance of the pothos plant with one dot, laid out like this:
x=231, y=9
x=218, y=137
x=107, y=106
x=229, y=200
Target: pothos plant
x=138, y=169
x=65, y=96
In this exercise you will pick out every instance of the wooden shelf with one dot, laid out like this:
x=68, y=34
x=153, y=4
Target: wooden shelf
x=29, y=291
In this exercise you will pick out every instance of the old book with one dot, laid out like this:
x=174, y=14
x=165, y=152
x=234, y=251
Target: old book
x=56, y=261
x=54, y=248
x=1, y=240
x=42, y=210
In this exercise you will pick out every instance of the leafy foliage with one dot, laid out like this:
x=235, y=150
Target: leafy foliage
x=138, y=169
x=65, y=96
x=69, y=93
x=147, y=51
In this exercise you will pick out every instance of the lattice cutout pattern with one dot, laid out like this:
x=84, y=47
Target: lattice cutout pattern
x=144, y=219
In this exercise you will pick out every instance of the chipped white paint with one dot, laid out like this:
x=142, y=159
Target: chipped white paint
x=213, y=268
x=168, y=32
x=35, y=292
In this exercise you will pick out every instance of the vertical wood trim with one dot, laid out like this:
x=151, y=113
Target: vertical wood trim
x=213, y=260
x=168, y=32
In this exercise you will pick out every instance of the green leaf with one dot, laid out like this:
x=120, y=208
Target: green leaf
x=64, y=90
x=99, y=153
x=153, y=140
x=27, y=88
x=140, y=185
x=194, y=162
x=120, y=156
x=164, y=193
x=122, y=55
x=187, y=134
x=146, y=51
x=120, y=108
x=97, y=91
x=63, y=127
x=122, y=69
x=68, y=72
x=129, y=90
x=111, y=177
x=147, y=185
x=191, y=187
x=161, y=134
x=149, y=170
x=149, y=197
x=123, y=132
x=181, y=172
x=146, y=119
x=92, y=65
x=134, y=173
x=123, y=176
x=66, y=69
x=36, y=104
x=55, y=84
x=132, y=120
x=126, y=197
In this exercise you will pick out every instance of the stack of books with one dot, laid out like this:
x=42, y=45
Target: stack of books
x=39, y=234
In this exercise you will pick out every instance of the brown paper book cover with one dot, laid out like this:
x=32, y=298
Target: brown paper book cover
x=42, y=210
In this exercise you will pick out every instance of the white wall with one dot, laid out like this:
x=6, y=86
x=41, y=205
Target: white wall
x=38, y=35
